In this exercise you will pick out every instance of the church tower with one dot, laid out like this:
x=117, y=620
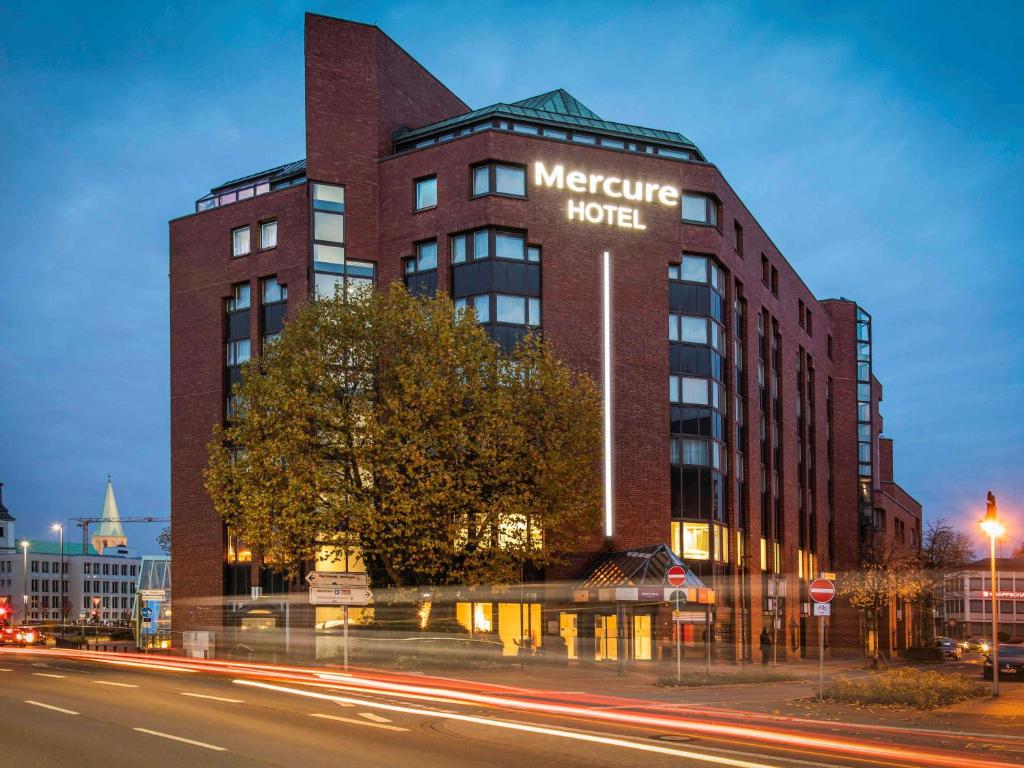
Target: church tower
x=7, y=541
x=109, y=534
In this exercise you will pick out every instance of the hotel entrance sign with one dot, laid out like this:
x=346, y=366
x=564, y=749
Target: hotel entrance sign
x=618, y=190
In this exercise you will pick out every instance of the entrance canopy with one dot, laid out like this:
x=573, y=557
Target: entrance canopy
x=633, y=574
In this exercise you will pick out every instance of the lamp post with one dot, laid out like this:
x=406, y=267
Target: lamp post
x=60, y=528
x=991, y=526
x=24, y=594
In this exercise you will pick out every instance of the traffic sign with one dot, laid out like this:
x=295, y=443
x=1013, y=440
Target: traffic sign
x=676, y=575
x=823, y=609
x=340, y=596
x=336, y=579
x=153, y=594
x=147, y=614
x=822, y=591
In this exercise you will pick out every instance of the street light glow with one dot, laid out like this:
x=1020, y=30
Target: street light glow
x=56, y=527
x=993, y=528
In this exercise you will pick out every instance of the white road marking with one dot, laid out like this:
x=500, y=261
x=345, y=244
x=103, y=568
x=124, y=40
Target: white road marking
x=47, y=674
x=214, y=698
x=50, y=706
x=183, y=740
x=353, y=721
x=6, y=670
x=375, y=717
x=514, y=726
x=111, y=682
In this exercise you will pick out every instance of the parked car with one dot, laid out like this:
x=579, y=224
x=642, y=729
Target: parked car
x=950, y=648
x=976, y=644
x=1011, y=663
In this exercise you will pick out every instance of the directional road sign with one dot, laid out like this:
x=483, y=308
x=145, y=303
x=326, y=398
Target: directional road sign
x=822, y=591
x=336, y=579
x=340, y=596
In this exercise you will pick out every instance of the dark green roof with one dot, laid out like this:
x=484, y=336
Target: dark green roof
x=271, y=174
x=41, y=547
x=556, y=108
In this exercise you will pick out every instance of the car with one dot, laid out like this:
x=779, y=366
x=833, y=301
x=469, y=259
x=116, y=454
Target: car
x=21, y=636
x=976, y=644
x=950, y=648
x=1011, y=663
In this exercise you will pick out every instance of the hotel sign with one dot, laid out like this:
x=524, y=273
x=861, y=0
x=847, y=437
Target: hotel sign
x=1004, y=595
x=604, y=199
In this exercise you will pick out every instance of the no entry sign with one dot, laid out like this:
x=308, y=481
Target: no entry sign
x=822, y=591
x=676, y=575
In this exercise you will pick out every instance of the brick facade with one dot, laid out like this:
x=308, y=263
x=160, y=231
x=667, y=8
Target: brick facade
x=361, y=90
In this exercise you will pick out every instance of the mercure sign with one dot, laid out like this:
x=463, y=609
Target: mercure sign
x=616, y=189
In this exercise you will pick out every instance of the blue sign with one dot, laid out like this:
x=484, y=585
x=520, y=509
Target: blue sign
x=147, y=614
x=150, y=614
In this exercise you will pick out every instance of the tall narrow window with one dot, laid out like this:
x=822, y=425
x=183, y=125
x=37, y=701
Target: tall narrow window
x=739, y=237
x=268, y=234
x=240, y=241
x=426, y=193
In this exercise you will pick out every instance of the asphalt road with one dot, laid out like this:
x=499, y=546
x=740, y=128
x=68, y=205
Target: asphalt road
x=65, y=712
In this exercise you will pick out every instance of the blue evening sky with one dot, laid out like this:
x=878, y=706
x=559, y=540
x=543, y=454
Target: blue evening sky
x=880, y=147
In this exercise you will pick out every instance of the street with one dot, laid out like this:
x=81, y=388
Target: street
x=64, y=710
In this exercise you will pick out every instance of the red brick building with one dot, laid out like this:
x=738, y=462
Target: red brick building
x=738, y=437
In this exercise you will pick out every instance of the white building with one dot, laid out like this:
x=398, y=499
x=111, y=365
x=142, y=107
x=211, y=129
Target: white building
x=967, y=599
x=96, y=585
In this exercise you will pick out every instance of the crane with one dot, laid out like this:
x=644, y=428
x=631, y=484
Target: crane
x=84, y=522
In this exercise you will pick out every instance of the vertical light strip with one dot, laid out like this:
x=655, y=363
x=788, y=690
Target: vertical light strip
x=606, y=344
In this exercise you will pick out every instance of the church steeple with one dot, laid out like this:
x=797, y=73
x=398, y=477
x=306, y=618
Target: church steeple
x=7, y=541
x=109, y=533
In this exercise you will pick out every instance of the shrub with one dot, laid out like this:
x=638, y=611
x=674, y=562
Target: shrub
x=906, y=688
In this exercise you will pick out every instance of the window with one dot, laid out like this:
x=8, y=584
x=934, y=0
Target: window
x=739, y=237
x=481, y=305
x=700, y=209
x=425, y=258
x=800, y=312
x=481, y=244
x=268, y=234
x=459, y=249
x=240, y=241
x=239, y=297
x=829, y=345
x=775, y=281
x=686, y=450
x=517, y=310
x=273, y=291
x=533, y=254
x=765, y=270
x=696, y=541
x=328, y=198
x=509, y=246
x=239, y=352
x=688, y=390
x=499, y=179
x=693, y=269
x=328, y=226
x=426, y=193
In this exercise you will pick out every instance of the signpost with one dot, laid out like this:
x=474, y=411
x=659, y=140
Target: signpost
x=822, y=592
x=676, y=576
x=339, y=588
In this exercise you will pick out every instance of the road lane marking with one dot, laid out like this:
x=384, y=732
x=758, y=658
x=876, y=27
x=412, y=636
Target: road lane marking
x=375, y=717
x=214, y=698
x=6, y=670
x=182, y=739
x=47, y=674
x=111, y=682
x=353, y=721
x=50, y=706
x=513, y=726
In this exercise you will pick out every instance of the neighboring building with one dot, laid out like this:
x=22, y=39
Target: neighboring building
x=966, y=604
x=98, y=586
x=747, y=438
x=8, y=542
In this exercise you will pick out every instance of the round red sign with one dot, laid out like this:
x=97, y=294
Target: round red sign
x=822, y=591
x=676, y=575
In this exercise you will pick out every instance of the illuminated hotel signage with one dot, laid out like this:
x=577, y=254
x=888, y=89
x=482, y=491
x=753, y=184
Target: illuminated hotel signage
x=1002, y=594
x=614, y=188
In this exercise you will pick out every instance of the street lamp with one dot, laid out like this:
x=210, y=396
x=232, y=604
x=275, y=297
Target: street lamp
x=60, y=528
x=24, y=595
x=991, y=526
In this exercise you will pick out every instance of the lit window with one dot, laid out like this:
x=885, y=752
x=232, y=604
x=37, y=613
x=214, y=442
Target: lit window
x=328, y=198
x=700, y=209
x=696, y=541
x=426, y=193
x=268, y=234
x=240, y=241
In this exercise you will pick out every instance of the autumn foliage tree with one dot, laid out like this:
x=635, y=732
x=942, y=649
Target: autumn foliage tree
x=389, y=423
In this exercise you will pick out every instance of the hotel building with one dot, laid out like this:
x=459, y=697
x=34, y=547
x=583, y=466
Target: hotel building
x=745, y=434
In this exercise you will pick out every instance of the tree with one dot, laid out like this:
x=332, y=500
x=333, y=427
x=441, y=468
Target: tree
x=164, y=540
x=388, y=423
x=1019, y=551
x=944, y=548
x=885, y=576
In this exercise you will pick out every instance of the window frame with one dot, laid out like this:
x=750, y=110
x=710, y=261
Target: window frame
x=416, y=207
x=492, y=179
x=263, y=228
x=248, y=246
x=711, y=206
